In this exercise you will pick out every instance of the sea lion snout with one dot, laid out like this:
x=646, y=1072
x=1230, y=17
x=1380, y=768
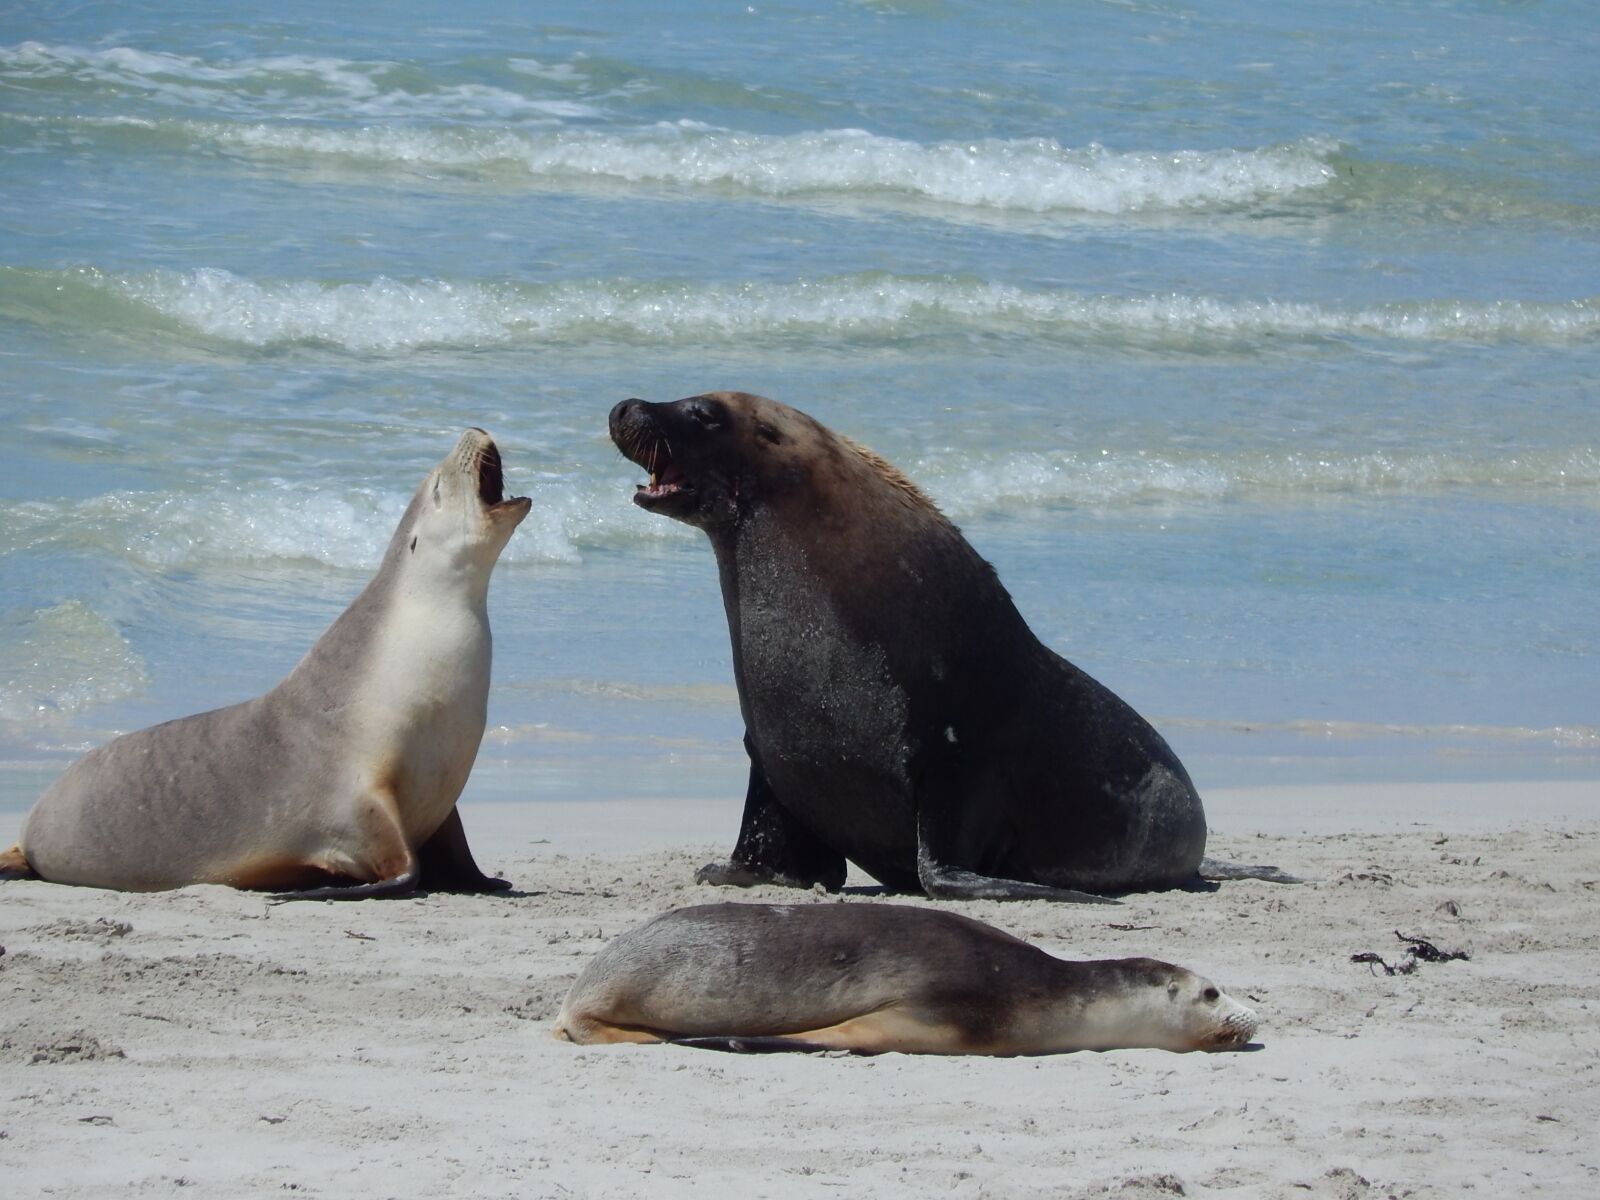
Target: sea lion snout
x=646, y=434
x=1237, y=1028
x=1233, y=1024
x=625, y=414
x=635, y=431
x=477, y=463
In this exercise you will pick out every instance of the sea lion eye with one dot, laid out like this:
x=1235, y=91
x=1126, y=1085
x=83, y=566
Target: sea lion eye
x=436, y=492
x=705, y=416
x=1211, y=993
x=413, y=545
x=768, y=433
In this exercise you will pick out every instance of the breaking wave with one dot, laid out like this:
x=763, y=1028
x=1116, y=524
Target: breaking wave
x=348, y=529
x=392, y=315
x=1030, y=175
x=290, y=85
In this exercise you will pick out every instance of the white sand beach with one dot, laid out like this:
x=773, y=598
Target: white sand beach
x=205, y=1042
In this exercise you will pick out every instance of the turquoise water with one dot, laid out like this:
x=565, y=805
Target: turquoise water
x=1258, y=346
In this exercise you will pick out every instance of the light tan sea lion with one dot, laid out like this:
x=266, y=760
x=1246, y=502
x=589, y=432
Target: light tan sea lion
x=877, y=977
x=346, y=774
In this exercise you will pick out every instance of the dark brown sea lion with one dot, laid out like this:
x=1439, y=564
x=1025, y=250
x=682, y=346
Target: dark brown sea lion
x=898, y=710
x=879, y=977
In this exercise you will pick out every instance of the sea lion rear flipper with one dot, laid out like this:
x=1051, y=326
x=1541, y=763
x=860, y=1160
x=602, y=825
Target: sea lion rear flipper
x=940, y=822
x=773, y=847
x=956, y=883
x=14, y=865
x=1215, y=868
x=378, y=889
x=447, y=863
x=374, y=857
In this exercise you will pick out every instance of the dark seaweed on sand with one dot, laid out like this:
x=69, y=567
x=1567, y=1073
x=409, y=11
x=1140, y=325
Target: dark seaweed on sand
x=1418, y=950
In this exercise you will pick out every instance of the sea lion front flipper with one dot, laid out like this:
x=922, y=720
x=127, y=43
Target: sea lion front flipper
x=773, y=847
x=14, y=865
x=765, y=1044
x=447, y=863
x=1215, y=868
x=941, y=802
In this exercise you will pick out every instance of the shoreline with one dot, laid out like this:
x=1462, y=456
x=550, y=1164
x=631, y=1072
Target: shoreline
x=614, y=826
x=492, y=806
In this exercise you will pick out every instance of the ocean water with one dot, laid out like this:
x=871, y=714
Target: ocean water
x=1257, y=345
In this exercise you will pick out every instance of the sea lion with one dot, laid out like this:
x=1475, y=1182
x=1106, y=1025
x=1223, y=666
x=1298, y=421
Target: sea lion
x=878, y=977
x=346, y=774
x=898, y=710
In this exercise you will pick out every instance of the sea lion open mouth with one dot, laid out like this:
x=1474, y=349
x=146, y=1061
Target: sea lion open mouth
x=637, y=434
x=669, y=490
x=492, y=480
x=665, y=480
x=491, y=476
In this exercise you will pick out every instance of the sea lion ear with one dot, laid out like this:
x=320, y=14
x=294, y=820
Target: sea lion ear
x=768, y=433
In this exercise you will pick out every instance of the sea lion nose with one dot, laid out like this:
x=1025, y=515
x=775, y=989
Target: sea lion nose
x=626, y=413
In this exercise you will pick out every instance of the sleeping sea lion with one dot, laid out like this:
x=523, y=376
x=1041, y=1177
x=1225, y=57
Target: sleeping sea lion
x=343, y=779
x=899, y=712
x=878, y=977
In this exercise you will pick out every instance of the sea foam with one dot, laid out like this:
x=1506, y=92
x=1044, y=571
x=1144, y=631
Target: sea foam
x=542, y=138
x=973, y=484
x=395, y=315
x=279, y=520
x=348, y=527
x=1032, y=175
x=290, y=85
x=59, y=660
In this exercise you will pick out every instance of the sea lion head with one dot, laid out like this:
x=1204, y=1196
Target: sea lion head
x=711, y=456
x=1145, y=1002
x=460, y=518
